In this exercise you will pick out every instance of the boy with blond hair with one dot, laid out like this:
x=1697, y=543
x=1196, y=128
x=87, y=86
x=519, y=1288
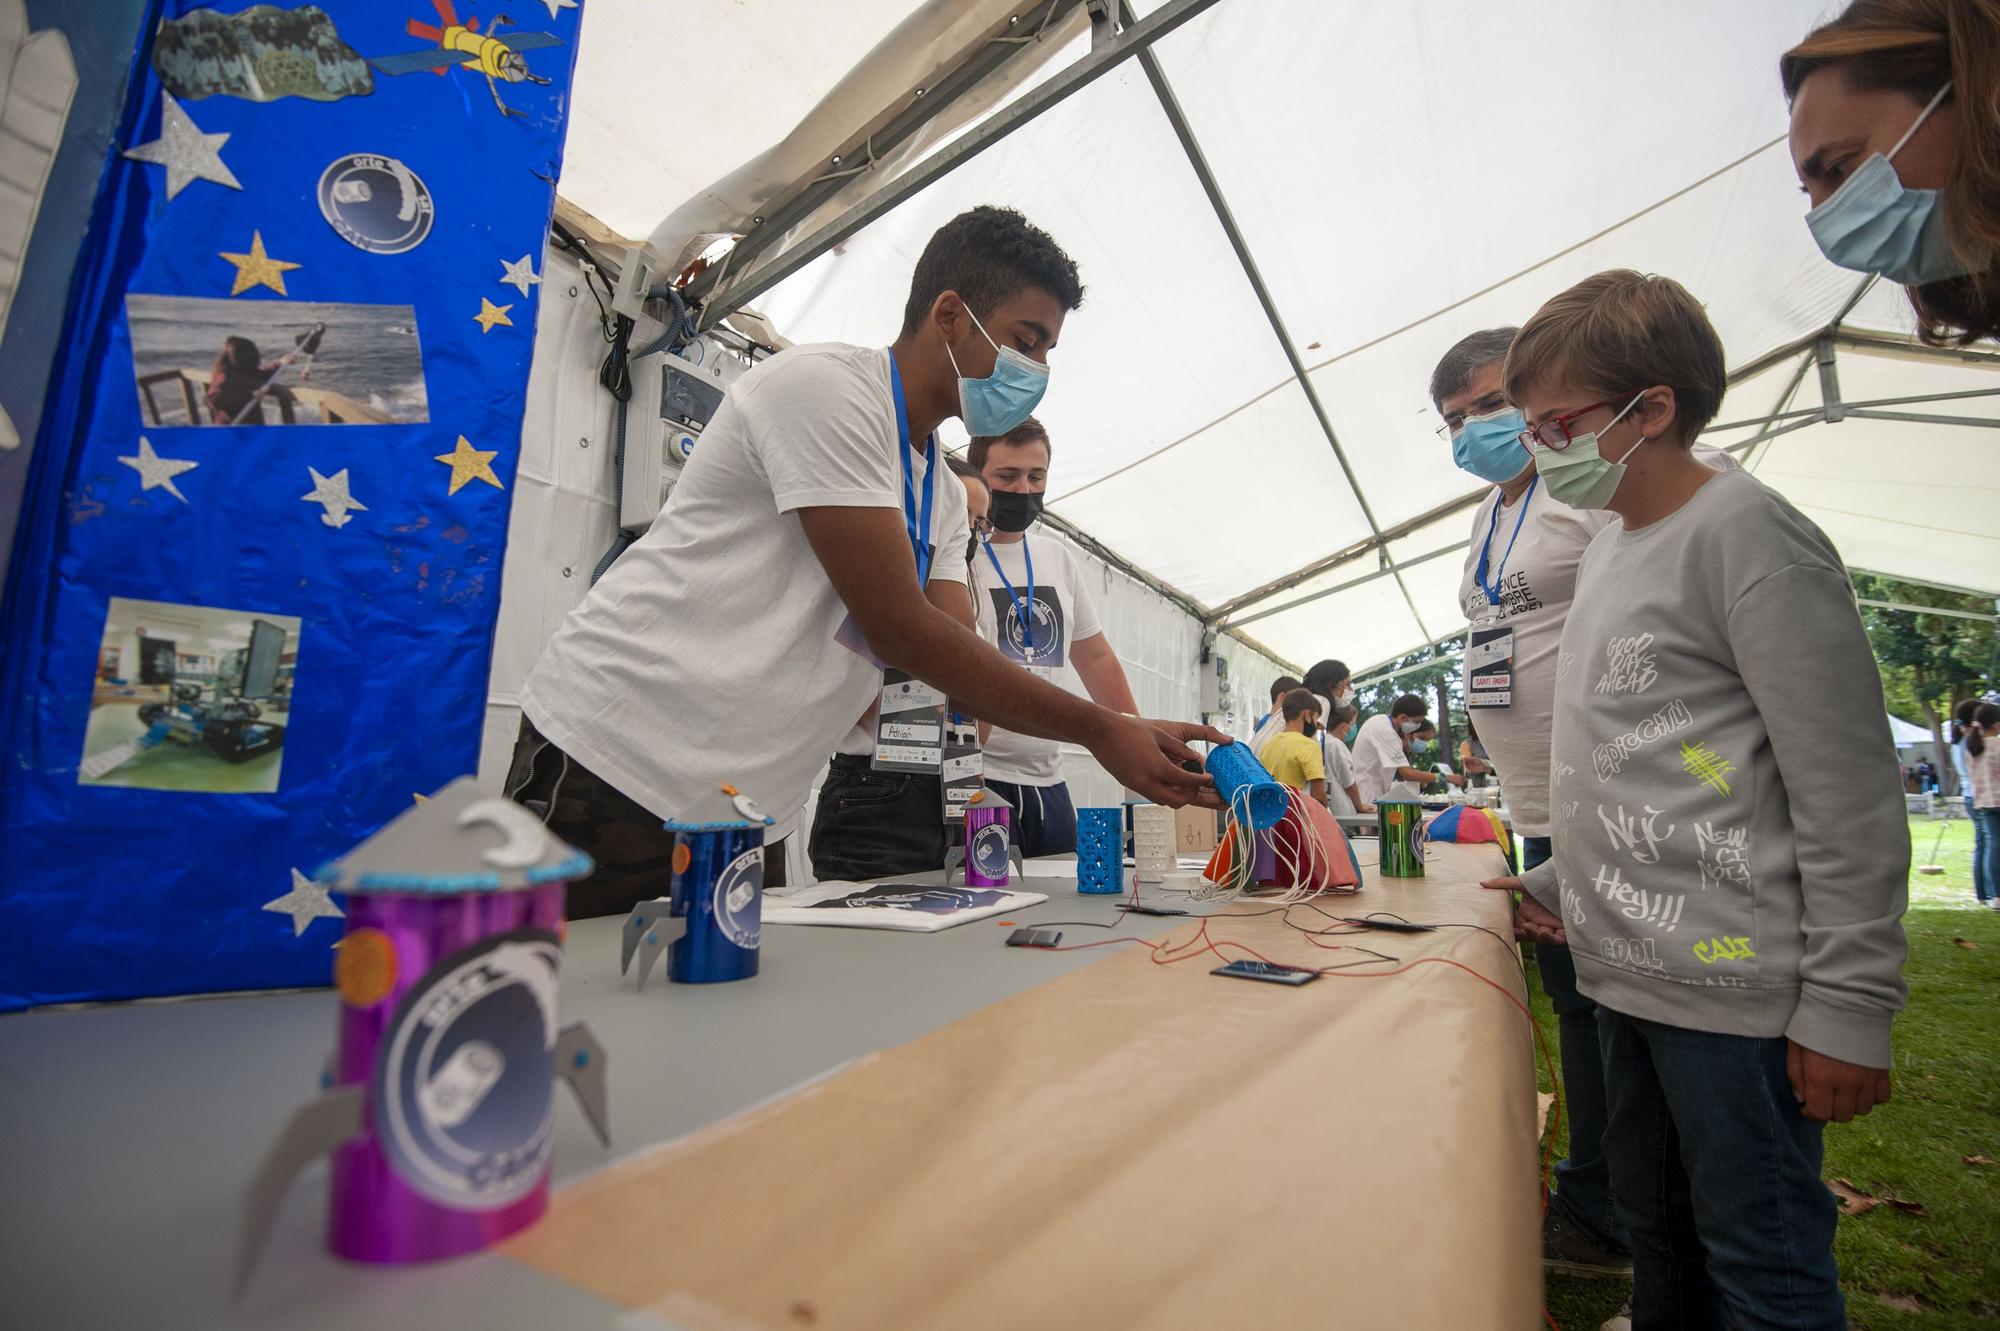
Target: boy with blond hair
x=1730, y=879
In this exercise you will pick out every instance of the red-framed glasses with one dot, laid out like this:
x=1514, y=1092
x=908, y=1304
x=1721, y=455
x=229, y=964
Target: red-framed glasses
x=1553, y=433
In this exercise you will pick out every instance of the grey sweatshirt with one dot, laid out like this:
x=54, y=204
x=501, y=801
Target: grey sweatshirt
x=1730, y=848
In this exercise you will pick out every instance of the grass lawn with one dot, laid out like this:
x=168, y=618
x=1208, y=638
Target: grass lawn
x=1900, y=1270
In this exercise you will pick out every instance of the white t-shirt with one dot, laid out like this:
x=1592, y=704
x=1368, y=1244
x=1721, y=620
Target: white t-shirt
x=707, y=653
x=1378, y=752
x=1266, y=728
x=860, y=741
x=1062, y=615
x=1339, y=772
x=1537, y=583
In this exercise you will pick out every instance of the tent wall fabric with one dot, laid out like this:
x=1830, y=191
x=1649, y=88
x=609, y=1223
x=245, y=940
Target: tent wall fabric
x=1398, y=176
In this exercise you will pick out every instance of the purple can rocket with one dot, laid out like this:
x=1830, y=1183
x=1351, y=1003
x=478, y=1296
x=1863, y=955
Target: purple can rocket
x=441, y=1112
x=988, y=840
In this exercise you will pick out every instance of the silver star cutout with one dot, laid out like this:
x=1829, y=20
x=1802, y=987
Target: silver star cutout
x=156, y=472
x=330, y=493
x=187, y=153
x=521, y=274
x=556, y=7
x=306, y=902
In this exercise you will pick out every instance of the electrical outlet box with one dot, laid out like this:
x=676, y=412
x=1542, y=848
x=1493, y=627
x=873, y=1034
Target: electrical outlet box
x=674, y=396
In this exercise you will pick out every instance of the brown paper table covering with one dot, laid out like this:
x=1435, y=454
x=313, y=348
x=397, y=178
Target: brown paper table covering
x=1131, y=1145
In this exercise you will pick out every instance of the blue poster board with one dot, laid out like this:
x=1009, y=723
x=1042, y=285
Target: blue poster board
x=252, y=600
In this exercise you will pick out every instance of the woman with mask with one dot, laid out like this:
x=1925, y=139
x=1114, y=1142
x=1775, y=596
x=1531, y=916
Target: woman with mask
x=1896, y=139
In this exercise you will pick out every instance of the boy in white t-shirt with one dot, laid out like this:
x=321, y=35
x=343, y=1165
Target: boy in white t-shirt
x=1043, y=619
x=788, y=566
x=876, y=824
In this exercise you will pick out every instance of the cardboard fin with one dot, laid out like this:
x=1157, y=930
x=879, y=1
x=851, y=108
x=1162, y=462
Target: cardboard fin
x=580, y=1062
x=313, y=1130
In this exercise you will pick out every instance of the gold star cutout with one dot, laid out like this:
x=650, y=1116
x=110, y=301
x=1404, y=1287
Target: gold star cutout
x=490, y=314
x=467, y=464
x=257, y=269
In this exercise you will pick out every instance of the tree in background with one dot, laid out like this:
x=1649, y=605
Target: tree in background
x=1423, y=672
x=1930, y=663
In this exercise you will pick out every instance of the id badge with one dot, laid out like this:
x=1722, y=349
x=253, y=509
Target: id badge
x=1489, y=666
x=964, y=770
x=909, y=726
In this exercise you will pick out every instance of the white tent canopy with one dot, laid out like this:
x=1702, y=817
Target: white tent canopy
x=1395, y=175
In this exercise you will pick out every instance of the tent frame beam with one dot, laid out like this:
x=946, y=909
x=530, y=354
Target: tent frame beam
x=720, y=300
x=1170, y=105
x=803, y=198
x=1818, y=351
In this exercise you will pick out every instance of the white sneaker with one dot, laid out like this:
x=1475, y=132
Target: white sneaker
x=1622, y=1321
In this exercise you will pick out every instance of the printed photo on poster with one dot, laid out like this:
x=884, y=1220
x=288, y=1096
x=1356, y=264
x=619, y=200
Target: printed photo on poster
x=260, y=54
x=189, y=697
x=275, y=362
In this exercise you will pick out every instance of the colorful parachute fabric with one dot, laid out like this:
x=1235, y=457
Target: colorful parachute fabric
x=1465, y=825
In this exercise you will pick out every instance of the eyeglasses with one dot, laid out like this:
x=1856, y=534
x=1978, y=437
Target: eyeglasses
x=1553, y=433
x=1455, y=421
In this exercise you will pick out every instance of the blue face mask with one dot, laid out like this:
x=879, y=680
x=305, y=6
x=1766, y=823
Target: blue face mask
x=1873, y=224
x=1002, y=400
x=1490, y=446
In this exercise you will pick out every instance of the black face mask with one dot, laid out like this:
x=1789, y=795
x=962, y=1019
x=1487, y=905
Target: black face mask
x=1312, y=728
x=1014, y=511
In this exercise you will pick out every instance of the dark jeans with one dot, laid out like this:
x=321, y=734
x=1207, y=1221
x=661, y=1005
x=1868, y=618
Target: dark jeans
x=1583, y=1181
x=633, y=849
x=1044, y=818
x=1985, y=851
x=1718, y=1181
x=873, y=824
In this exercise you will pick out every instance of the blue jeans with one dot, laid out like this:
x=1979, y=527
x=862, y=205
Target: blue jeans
x=1717, y=1175
x=1985, y=851
x=1044, y=818
x=1583, y=1181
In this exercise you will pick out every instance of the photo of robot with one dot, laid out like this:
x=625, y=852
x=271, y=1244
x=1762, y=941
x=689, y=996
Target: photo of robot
x=189, y=698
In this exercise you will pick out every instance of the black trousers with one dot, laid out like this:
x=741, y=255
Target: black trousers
x=873, y=824
x=633, y=850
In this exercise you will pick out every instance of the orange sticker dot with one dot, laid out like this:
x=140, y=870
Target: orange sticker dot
x=365, y=969
x=682, y=857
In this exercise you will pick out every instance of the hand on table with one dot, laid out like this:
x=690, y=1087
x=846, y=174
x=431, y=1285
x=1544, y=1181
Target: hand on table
x=1533, y=922
x=1830, y=1090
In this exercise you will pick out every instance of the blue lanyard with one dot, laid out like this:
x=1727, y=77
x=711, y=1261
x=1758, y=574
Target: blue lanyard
x=1492, y=589
x=1023, y=606
x=920, y=541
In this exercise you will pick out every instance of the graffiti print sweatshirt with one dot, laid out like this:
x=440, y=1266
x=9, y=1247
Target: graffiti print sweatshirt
x=1731, y=852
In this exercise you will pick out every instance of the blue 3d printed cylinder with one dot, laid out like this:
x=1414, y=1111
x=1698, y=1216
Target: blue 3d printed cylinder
x=1235, y=770
x=1100, y=851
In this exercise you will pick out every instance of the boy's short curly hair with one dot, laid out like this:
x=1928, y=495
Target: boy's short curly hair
x=987, y=254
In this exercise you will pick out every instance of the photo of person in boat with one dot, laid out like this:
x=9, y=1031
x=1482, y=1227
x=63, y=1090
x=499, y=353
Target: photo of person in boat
x=208, y=362
x=240, y=381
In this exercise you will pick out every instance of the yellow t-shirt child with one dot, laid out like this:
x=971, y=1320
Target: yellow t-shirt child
x=1293, y=759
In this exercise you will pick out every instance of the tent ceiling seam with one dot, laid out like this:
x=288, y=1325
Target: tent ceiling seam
x=1424, y=319
x=1170, y=106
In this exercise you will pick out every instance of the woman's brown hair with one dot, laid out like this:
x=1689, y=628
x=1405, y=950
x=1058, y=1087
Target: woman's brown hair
x=1916, y=47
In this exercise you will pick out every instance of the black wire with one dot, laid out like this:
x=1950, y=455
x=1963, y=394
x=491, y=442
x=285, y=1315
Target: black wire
x=1513, y=947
